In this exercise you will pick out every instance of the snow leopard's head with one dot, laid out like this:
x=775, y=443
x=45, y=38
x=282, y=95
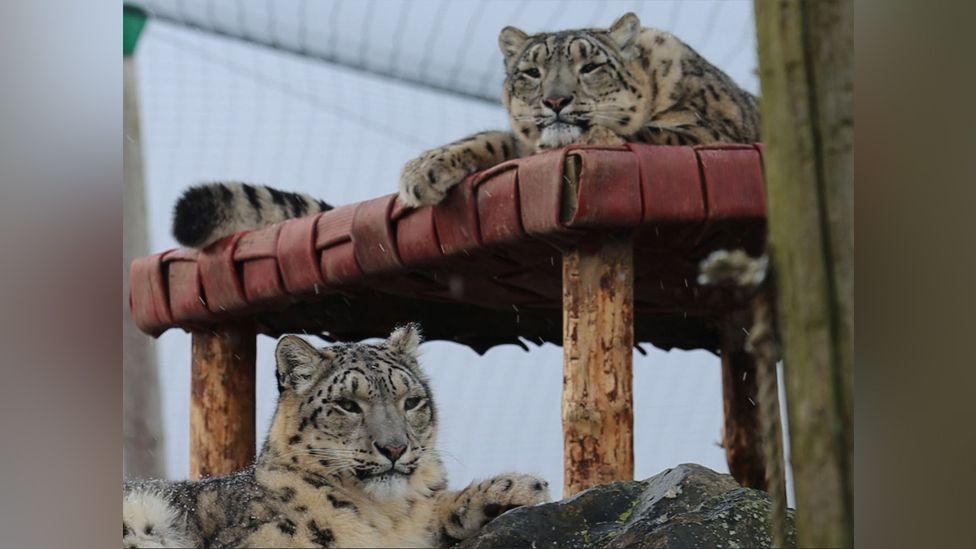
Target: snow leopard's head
x=559, y=84
x=359, y=413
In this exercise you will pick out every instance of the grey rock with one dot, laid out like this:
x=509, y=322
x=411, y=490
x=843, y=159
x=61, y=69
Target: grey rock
x=687, y=506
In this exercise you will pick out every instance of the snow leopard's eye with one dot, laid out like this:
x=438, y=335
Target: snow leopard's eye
x=412, y=402
x=590, y=67
x=532, y=73
x=349, y=406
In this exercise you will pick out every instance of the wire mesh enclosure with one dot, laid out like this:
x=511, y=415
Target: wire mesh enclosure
x=332, y=98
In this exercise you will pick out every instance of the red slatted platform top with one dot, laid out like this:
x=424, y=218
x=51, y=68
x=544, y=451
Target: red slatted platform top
x=483, y=267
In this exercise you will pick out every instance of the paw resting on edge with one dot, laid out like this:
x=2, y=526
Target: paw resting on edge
x=481, y=503
x=507, y=492
x=599, y=135
x=426, y=179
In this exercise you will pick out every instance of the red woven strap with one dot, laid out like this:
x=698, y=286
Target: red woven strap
x=495, y=241
x=336, y=250
x=540, y=192
x=456, y=219
x=372, y=236
x=257, y=254
x=497, y=200
x=186, y=296
x=218, y=276
x=734, y=195
x=670, y=184
x=733, y=183
x=335, y=226
x=147, y=295
x=297, y=258
x=671, y=192
x=417, y=240
x=257, y=244
x=609, y=189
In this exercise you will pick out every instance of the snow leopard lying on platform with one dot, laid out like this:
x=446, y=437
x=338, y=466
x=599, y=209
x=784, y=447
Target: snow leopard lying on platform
x=350, y=461
x=626, y=83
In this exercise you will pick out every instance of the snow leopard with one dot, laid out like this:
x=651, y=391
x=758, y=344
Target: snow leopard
x=625, y=83
x=350, y=460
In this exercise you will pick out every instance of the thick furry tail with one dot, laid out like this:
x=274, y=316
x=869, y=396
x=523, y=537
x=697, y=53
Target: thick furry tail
x=206, y=213
x=150, y=520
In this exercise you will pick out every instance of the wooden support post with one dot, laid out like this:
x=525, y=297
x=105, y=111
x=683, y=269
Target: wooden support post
x=806, y=66
x=742, y=436
x=222, y=401
x=598, y=343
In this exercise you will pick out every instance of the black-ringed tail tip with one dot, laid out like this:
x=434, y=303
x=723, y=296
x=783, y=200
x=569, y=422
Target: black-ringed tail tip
x=206, y=213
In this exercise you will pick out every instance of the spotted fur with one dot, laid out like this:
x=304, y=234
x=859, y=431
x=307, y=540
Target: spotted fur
x=623, y=84
x=206, y=213
x=350, y=461
x=598, y=86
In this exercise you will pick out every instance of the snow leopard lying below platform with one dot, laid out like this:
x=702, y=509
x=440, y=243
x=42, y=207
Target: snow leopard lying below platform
x=350, y=461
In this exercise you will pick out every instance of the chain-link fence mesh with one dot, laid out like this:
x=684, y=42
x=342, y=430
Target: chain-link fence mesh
x=331, y=98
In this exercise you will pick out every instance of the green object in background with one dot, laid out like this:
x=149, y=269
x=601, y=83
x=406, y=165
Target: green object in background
x=133, y=20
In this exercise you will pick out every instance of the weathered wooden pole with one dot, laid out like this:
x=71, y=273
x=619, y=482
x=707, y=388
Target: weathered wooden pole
x=806, y=54
x=742, y=435
x=598, y=343
x=222, y=401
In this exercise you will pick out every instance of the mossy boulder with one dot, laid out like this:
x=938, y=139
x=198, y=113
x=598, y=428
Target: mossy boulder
x=687, y=506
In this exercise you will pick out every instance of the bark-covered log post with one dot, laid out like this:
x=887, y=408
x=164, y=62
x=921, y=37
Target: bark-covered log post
x=741, y=435
x=806, y=55
x=598, y=343
x=222, y=401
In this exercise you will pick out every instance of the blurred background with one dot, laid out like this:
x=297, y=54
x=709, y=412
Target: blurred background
x=332, y=98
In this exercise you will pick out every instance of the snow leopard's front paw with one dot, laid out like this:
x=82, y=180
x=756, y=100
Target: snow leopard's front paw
x=506, y=492
x=426, y=179
x=600, y=135
x=479, y=504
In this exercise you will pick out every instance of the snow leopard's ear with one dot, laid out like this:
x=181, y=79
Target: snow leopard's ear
x=298, y=363
x=624, y=32
x=510, y=41
x=406, y=339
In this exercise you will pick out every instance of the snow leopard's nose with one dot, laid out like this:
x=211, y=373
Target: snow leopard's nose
x=392, y=453
x=557, y=102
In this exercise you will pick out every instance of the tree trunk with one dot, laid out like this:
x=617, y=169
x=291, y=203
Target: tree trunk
x=222, y=401
x=598, y=343
x=742, y=436
x=806, y=54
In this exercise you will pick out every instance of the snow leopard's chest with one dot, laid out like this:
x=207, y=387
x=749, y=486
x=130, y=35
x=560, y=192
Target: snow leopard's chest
x=319, y=515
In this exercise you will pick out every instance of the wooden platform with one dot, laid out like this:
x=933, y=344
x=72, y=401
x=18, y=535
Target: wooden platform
x=486, y=267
